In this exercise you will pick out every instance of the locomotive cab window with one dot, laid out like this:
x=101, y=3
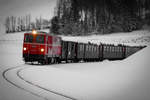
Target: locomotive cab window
x=28, y=38
x=40, y=39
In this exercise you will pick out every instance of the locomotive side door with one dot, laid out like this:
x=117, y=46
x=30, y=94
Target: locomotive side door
x=49, y=46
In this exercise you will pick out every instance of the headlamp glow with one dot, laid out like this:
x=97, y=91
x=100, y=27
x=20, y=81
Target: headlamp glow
x=42, y=50
x=24, y=48
x=34, y=32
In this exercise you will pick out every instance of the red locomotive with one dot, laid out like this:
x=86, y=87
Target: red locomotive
x=41, y=47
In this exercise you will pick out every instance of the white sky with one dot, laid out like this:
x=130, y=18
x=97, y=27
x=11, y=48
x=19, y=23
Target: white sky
x=37, y=8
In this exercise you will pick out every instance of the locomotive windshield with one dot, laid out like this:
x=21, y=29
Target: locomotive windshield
x=28, y=38
x=39, y=39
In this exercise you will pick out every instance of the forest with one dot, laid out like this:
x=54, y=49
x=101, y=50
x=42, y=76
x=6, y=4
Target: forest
x=84, y=17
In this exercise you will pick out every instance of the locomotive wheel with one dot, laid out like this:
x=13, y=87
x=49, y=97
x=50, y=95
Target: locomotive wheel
x=58, y=60
x=43, y=62
x=46, y=61
x=52, y=60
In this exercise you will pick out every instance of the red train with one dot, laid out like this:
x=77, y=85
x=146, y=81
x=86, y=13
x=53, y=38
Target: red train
x=41, y=47
x=45, y=48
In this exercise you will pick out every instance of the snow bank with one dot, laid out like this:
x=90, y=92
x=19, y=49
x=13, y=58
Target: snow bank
x=117, y=80
x=132, y=38
x=2, y=29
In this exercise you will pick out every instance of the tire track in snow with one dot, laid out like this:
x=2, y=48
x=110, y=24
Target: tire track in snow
x=4, y=74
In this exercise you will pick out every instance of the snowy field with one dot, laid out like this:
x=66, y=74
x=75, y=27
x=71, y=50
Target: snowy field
x=128, y=79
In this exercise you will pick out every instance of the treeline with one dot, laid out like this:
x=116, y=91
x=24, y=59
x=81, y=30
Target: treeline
x=24, y=23
x=80, y=17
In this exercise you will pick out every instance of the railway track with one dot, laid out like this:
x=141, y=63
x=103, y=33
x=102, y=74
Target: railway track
x=17, y=71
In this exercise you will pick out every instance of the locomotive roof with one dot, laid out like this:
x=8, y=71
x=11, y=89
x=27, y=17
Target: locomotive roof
x=42, y=33
x=38, y=32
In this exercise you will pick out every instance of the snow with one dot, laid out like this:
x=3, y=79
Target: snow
x=117, y=80
x=132, y=38
x=2, y=28
x=128, y=79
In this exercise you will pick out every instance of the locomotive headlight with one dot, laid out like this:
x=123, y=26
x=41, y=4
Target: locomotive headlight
x=34, y=31
x=24, y=48
x=42, y=50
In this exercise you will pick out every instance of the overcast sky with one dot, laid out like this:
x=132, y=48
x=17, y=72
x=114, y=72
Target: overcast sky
x=37, y=8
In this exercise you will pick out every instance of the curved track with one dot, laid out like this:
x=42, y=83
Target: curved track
x=16, y=70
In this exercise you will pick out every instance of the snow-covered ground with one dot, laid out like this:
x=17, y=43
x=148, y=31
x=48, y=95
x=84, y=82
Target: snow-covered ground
x=128, y=79
x=131, y=38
